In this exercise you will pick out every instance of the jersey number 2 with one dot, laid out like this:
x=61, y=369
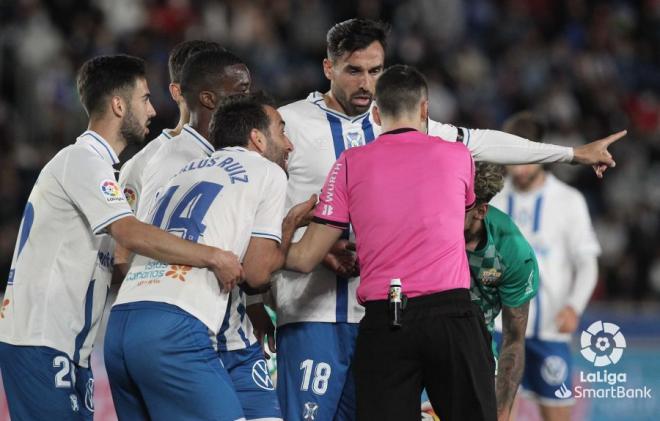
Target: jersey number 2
x=186, y=218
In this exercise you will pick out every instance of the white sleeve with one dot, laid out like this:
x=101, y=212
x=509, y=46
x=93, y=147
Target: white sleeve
x=584, y=249
x=270, y=213
x=90, y=184
x=500, y=147
x=586, y=276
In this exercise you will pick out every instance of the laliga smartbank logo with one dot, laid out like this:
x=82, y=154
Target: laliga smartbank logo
x=602, y=344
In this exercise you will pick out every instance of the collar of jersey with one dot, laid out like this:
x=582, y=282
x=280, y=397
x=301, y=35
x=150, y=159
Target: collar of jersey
x=203, y=143
x=316, y=98
x=235, y=148
x=99, y=145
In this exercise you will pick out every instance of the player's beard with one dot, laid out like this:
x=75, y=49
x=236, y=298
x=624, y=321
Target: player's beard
x=345, y=101
x=131, y=129
x=276, y=154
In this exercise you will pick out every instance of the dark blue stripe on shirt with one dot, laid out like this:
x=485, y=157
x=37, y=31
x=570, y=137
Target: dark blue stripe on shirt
x=368, y=130
x=80, y=339
x=222, y=339
x=341, y=304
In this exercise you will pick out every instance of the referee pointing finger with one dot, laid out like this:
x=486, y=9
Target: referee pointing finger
x=405, y=195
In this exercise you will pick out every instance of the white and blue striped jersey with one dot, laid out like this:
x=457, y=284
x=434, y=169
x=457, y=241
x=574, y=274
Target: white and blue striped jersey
x=555, y=221
x=62, y=265
x=222, y=201
x=319, y=135
x=170, y=157
x=173, y=155
x=131, y=174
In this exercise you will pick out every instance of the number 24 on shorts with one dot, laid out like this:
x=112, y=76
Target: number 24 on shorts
x=321, y=372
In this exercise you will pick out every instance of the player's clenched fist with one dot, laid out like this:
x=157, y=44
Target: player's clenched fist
x=227, y=269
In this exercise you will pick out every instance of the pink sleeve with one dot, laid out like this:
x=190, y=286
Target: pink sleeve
x=470, y=197
x=332, y=208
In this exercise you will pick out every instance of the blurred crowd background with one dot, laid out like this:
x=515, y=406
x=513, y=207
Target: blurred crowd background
x=587, y=68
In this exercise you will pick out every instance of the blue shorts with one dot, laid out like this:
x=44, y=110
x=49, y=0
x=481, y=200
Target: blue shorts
x=162, y=365
x=42, y=383
x=314, y=380
x=249, y=373
x=547, y=375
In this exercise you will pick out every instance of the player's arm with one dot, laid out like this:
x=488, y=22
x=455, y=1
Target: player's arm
x=504, y=148
x=147, y=240
x=511, y=359
x=584, y=250
x=317, y=241
x=331, y=217
x=264, y=255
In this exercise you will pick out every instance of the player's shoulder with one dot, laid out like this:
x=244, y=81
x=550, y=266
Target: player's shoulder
x=302, y=110
x=446, y=132
x=78, y=154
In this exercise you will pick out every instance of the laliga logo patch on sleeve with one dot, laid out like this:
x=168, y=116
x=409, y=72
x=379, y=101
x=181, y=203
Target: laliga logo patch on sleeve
x=131, y=196
x=111, y=191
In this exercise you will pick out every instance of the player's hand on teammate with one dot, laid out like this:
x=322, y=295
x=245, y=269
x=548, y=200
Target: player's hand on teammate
x=301, y=214
x=567, y=320
x=263, y=326
x=227, y=269
x=342, y=259
x=596, y=153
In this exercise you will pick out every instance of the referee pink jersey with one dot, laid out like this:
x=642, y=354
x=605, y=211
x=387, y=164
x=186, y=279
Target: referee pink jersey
x=405, y=194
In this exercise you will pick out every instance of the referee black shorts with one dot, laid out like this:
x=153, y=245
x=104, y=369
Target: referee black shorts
x=443, y=346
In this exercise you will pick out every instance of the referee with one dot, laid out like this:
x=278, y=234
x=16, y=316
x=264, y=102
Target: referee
x=405, y=195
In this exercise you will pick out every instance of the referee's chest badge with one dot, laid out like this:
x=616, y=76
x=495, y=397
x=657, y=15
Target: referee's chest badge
x=490, y=276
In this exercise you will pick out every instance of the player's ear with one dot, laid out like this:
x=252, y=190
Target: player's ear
x=117, y=105
x=424, y=110
x=258, y=140
x=175, y=92
x=207, y=99
x=327, y=68
x=375, y=112
x=482, y=210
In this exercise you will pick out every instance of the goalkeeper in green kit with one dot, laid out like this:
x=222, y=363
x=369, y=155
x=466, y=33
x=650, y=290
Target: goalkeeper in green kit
x=504, y=278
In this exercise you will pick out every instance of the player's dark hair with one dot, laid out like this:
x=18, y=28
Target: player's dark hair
x=525, y=124
x=399, y=89
x=488, y=181
x=203, y=71
x=235, y=118
x=184, y=50
x=102, y=76
x=355, y=34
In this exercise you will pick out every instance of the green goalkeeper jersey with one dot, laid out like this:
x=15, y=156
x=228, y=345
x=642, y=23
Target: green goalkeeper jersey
x=504, y=271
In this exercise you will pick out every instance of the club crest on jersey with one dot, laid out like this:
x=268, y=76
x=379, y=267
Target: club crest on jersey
x=490, y=276
x=309, y=411
x=178, y=272
x=111, y=191
x=354, y=139
x=131, y=197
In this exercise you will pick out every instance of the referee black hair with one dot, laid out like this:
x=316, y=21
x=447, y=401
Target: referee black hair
x=399, y=90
